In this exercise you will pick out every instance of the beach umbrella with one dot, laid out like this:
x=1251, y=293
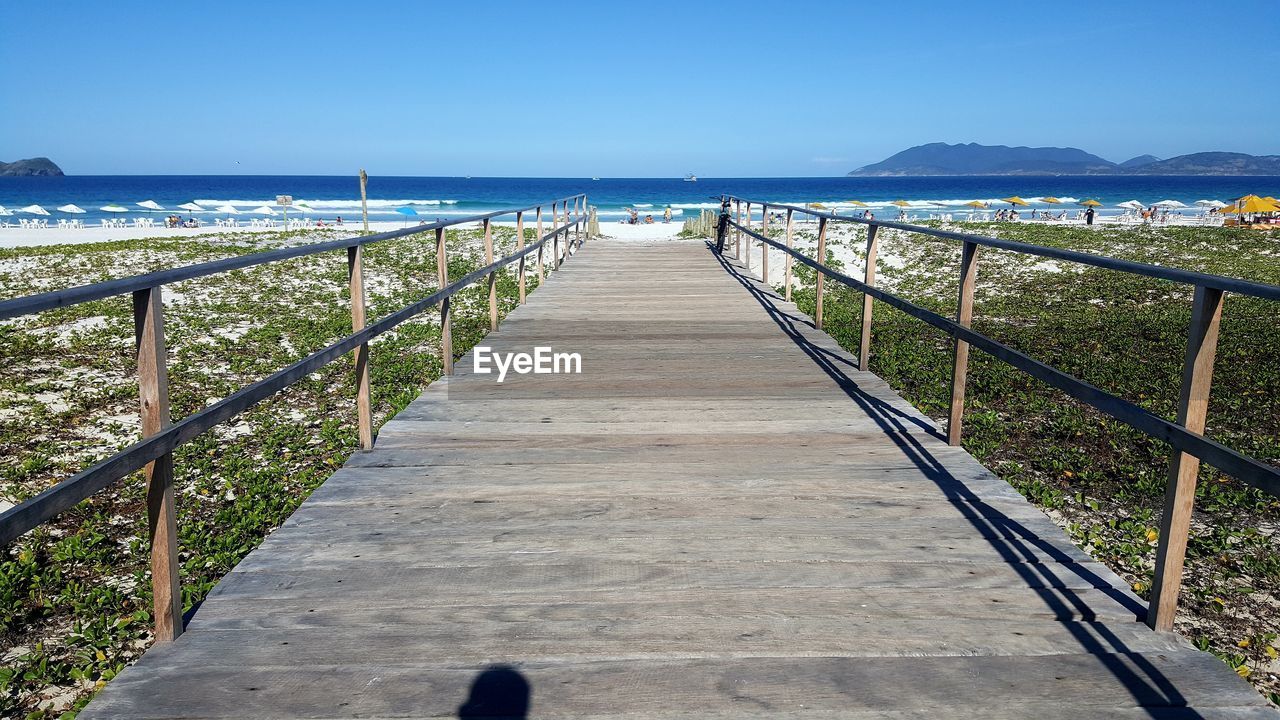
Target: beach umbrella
x=1090, y=203
x=1015, y=200
x=228, y=209
x=977, y=204
x=1050, y=200
x=34, y=210
x=4, y=212
x=74, y=209
x=406, y=212
x=901, y=203
x=1170, y=204
x=1251, y=204
x=191, y=207
x=114, y=208
x=1214, y=204
x=264, y=210
x=818, y=206
x=1131, y=205
x=855, y=203
x=149, y=204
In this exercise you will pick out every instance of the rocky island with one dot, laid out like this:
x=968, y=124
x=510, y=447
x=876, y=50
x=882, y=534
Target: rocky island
x=32, y=167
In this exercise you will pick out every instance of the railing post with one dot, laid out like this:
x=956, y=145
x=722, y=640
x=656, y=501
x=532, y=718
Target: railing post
x=1180, y=493
x=737, y=234
x=493, y=276
x=864, y=347
x=764, y=246
x=786, y=276
x=162, y=520
x=364, y=407
x=577, y=222
x=960, y=365
x=586, y=219
x=722, y=226
x=822, y=259
x=446, y=314
x=555, y=238
x=746, y=239
x=541, y=277
x=520, y=246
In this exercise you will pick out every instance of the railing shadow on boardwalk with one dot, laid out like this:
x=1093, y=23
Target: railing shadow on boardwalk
x=1013, y=541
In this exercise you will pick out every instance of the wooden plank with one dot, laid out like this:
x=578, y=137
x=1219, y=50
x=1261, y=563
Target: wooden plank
x=162, y=523
x=1180, y=493
x=654, y=537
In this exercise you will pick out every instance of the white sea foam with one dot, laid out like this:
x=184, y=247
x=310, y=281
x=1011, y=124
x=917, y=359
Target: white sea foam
x=331, y=204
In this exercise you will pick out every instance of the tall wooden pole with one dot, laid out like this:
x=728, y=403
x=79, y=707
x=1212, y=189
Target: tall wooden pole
x=960, y=364
x=446, y=315
x=737, y=234
x=364, y=405
x=162, y=519
x=1180, y=493
x=364, y=199
x=864, y=347
x=555, y=238
x=764, y=246
x=541, y=277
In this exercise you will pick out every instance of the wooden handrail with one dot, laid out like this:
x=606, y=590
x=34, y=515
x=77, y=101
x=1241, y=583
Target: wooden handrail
x=154, y=452
x=1186, y=436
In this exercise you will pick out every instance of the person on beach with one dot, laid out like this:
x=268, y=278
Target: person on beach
x=666, y=215
x=1088, y=216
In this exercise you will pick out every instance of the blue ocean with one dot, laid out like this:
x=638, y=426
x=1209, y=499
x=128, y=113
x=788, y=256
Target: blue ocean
x=441, y=197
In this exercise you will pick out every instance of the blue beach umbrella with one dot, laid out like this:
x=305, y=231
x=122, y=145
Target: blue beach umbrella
x=407, y=212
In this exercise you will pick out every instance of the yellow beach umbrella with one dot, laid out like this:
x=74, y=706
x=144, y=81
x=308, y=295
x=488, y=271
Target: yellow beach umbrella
x=818, y=206
x=1051, y=200
x=902, y=203
x=977, y=204
x=855, y=203
x=1015, y=200
x=1091, y=203
x=1251, y=204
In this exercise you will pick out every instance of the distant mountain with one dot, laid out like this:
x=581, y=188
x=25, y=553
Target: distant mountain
x=26, y=168
x=975, y=159
x=1213, y=163
x=1139, y=161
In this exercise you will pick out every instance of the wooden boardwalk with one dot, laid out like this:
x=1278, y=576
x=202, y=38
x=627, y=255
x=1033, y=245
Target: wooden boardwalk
x=719, y=518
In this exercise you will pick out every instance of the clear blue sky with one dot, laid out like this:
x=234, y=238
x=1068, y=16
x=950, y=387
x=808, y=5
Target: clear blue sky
x=620, y=89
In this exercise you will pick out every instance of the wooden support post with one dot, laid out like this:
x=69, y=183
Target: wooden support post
x=541, y=277
x=577, y=222
x=586, y=219
x=737, y=234
x=960, y=364
x=162, y=519
x=864, y=346
x=822, y=258
x=446, y=316
x=364, y=199
x=555, y=238
x=1180, y=493
x=764, y=247
x=493, y=276
x=786, y=275
x=746, y=239
x=364, y=406
x=520, y=246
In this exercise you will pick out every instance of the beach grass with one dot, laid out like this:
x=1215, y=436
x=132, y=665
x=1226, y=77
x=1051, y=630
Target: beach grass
x=1099, y=479
x=75, y=595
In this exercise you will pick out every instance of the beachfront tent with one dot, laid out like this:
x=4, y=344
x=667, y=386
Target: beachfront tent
x=114, y=208
x=1170, y=204
x=1213, y=204
x=1015, y=200
x=191, y=207
x=1090, y=203
x=1131, y=205
x=34, y=210
x=73, y=209
x=149, y=204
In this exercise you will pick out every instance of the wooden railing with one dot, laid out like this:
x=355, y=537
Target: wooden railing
x=1186, y=435
x=154, y=453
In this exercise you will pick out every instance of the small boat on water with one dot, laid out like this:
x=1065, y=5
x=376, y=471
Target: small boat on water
x=691, y=178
